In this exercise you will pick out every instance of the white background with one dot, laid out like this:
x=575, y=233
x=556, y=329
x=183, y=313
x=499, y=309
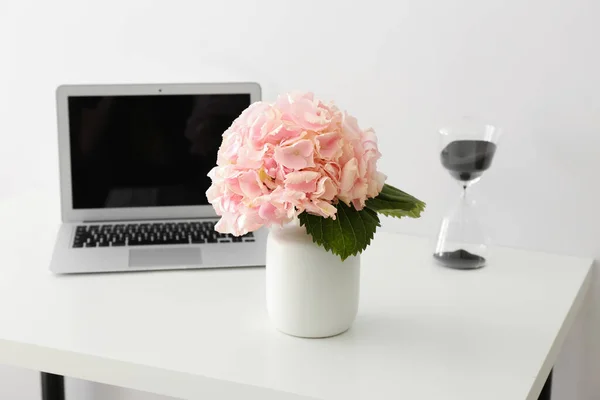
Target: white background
x=403, y=67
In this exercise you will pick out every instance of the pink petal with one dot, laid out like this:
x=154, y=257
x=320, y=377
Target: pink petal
x=286, y=132
x=359, y=194
x=376, y=184
x=233, y=185
x=228, y=224
x=330, y=145
x=297, y=156
x=333, y=170
x=249, y=158
x=304, y=147
x=248, y=221
x=358, y=204
x=307, y=114
x=250, y=185
x=326, y=189
x=321, y=208
x=302, y=181
x=349, y=175
x=268, y=211
x=350, y=127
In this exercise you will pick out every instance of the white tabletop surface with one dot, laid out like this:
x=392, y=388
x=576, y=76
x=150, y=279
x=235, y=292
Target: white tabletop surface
x=422, y=331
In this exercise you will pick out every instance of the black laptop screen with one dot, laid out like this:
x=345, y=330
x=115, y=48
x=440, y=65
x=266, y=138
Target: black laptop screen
x=146, y=151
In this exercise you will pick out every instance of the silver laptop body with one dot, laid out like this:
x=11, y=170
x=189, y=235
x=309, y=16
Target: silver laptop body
x=133, y=164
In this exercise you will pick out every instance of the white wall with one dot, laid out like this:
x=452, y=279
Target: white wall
x=402, y=66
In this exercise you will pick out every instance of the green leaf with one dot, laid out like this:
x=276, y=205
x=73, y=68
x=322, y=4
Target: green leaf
x=394, y=202
x=349, y=234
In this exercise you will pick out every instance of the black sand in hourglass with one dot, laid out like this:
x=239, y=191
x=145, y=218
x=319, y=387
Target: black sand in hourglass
x=460, y=259
x=468, y=159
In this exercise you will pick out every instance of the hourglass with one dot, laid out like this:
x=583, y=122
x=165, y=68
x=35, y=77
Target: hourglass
x=467, y=151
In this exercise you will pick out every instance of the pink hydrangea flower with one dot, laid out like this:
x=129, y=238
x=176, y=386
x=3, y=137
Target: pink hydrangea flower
x=296, y=155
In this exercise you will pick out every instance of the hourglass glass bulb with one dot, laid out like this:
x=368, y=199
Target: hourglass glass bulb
x=468, y=149
x=466, y=160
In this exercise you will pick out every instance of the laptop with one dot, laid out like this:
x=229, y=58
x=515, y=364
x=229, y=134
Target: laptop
x=134, y=161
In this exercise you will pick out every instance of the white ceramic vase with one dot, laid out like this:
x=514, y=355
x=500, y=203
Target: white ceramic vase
x=310, y=292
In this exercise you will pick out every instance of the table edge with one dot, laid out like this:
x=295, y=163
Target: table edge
x=547, y=365
x=133, y=376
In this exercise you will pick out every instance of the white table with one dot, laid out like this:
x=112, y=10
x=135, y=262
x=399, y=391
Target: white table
x=422, y=332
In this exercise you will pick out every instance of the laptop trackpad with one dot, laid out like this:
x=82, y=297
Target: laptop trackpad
x=162, y=257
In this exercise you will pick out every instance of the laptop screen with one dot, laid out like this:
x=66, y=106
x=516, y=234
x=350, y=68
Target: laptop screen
x=146, y=151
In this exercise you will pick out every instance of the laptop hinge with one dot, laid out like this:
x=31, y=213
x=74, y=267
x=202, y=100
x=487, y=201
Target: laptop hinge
x=112, y=221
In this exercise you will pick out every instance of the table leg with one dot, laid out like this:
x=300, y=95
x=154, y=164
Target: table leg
x=546, y=393
x=53, y=386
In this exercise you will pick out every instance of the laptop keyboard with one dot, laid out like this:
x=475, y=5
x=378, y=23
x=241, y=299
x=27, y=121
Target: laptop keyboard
x=147, y=234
